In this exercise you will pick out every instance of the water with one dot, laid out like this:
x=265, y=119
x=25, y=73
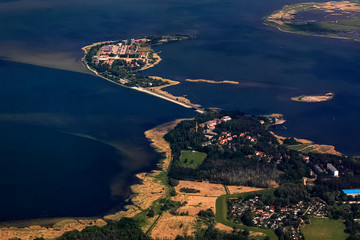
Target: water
x=71, y=143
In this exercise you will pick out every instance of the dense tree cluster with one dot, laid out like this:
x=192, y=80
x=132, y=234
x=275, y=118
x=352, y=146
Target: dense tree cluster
x=125, y=229
x=231, y=164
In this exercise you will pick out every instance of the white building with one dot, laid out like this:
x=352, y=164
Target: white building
x=333, y=170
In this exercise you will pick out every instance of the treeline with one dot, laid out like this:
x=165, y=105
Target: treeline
x=125, y=229
x=215, y=234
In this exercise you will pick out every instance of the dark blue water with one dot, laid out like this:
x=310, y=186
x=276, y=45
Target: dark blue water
x=71, y=143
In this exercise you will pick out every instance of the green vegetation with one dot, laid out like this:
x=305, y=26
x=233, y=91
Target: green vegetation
x=125, y=229
x=290, y=141
x=323, y=228
x=221, y=214
x=230, y=164
x=191, y=159
x=331, y=22
x=304, y=148
x=125, y=71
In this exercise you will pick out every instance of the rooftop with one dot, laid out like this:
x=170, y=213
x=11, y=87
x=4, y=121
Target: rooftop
x=349, y=191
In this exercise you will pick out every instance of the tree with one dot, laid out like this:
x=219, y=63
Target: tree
x=151, y=213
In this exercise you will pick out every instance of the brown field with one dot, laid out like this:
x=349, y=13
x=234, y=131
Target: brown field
x=207, y=196
x=204, y=200
x=57, y=230
x=206, y=189
x=242, y=189
x=170, y=226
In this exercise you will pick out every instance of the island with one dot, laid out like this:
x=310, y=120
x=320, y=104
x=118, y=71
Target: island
x=121, y=61
x=222, y=174
x=324, y=19
x=315, y=98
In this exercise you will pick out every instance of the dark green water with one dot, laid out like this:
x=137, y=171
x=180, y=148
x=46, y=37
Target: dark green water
x=71, y=143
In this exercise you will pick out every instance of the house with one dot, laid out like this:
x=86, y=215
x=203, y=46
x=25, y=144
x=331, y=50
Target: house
x=262, y=122
x=317, y=169
x=103, y=57
x=141, y=40
x=225, y=118
x=332, y=169
x=106, y=49
x=306, y=159
x=208, y=136
x=352, y=192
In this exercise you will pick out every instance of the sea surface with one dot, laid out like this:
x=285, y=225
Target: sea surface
x=70, y=142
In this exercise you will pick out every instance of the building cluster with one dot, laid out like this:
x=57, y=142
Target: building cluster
x=289, y=218
x=128, y=50
x=319, y=169
x=224, y=137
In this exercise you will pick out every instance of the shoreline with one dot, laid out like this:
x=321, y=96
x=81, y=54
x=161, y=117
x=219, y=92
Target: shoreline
x=144, y=194
x=157, y=92
x=147, y=191
x=313, y=98
x=309, y=146
x=279, y=18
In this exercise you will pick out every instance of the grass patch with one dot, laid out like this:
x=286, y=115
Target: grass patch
x=324, y=228
x=190, y=159
x=221, y=214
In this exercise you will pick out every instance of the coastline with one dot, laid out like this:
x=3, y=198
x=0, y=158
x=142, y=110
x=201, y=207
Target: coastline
x=306, y=146
x=150, y=188
x=313, y=98
x=144, y=194
x=154, y=91
x=278, y=19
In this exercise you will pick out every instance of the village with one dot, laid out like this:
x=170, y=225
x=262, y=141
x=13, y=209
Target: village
x=289, y=218
x=233, y=141
x=135, y=53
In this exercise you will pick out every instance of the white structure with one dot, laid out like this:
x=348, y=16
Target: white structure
x=226, y=118
x=333, y=170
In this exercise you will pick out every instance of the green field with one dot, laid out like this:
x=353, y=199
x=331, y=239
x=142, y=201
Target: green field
x=304, y=148
x=221, y=215
x=324, y=228
x=190, y=159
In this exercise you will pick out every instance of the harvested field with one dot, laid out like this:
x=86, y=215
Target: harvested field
x=57, y=230
x=170, y=226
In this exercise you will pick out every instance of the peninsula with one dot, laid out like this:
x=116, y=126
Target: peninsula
x=324, y=19
x=225, y=173
x=121, y=61
x=312, y=99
